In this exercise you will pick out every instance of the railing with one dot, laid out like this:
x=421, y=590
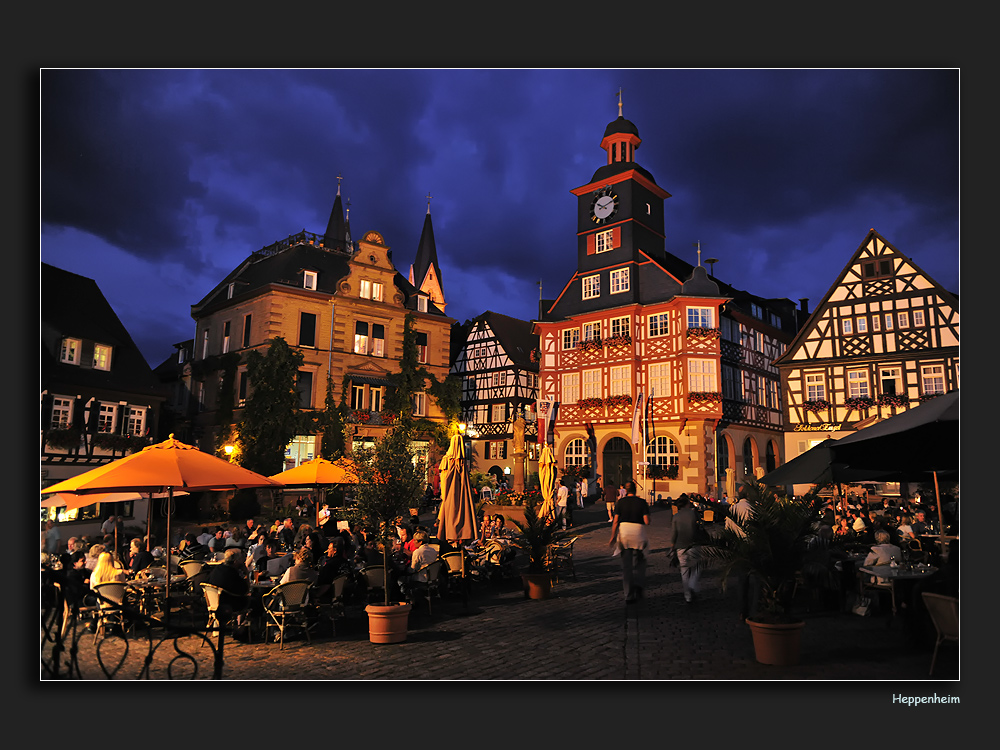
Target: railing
x=293, y=239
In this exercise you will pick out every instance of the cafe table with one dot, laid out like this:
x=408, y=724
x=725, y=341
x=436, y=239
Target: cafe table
x=899, y=576
x=149, y=591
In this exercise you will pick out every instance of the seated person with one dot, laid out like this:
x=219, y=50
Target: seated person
x=883, y=552
x=843, y=527
x=423, y=556
x=92, y=554
x=139, y=557
x=302, y=570
x=192, y=549
x=905, y=529
x=218, y=542
x=231, y=576
x=922, y=525
x=78, y=580
x=107, y=570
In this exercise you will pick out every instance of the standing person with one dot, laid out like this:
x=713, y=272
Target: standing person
x=51, y=538
x=610, y=498
x=684, y=541
x=628, y=531
x=562, y=504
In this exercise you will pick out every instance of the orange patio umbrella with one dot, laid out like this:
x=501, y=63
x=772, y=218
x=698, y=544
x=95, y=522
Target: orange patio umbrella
x=318, y=473
x=164, y=467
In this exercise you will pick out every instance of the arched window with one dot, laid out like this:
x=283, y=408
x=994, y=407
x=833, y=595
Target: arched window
x=576, y=454
x=662, y=451
x=723, y=459
x=748, y=456
x=770, y=458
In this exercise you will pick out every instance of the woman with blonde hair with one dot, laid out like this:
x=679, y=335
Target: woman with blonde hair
x=107, y=570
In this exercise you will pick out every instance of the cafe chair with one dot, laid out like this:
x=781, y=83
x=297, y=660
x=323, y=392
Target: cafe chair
x=286, y=607
x=221, y=611
x=327, y=602
x=112, y=597
x=429, y=588
x=879, y=587
x=375, y=581
x=561, y=558
x=456, y=574
x=708, y=516
x=944, y=614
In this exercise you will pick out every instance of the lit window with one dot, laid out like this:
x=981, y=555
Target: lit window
x=888, y=321
x=862, y=325
x=619, y=280
x=102, y=357
x=575, y=453
x=592, y=331
x=499, y=413
x=592, y=384
x=570, y=338
x=701, y=376
x=891, y=380
x=846, y=326
x=366, y=289
x=204, y=344
x=876, y=323
x=377, y=293
x=421, y=304
x=309, y=279
x=620, y=384
x=62, y=411
x=421, y=347
x=242, y=393
x=658, y=324
x=571, y=387
x=932, y=378
x=699, y=317
x=70, y=351
x=904, y=320
x=603, y=241
x=659, y=380
x=815, y=387
x=378, y=340
x=591, y=287
x=419, y=404
x=225, y=337
x=360, y=337
x=857, y=384
x=662, y=451
x=620, y=326
x=918, y=318
x=106, y=418
x=136, y=421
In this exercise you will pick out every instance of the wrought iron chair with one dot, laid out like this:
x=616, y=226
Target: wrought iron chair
x=561, y=557
x=429, y=588
x=112, y=597
x=285, y=606
x=944, y=614
x=222, y=612
x=327, y=602
x=456, y=573
x=374, y=577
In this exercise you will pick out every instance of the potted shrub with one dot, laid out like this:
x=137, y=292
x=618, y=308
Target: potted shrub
x=769, y=545
x=389, y=482
x=533, y=537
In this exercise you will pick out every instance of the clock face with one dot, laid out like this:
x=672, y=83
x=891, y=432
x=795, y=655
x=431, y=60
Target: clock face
x=604, y=206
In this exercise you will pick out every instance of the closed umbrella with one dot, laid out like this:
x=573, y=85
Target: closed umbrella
x=164, y=467
x=457, y=514
x=547, y=480
x=731, y=485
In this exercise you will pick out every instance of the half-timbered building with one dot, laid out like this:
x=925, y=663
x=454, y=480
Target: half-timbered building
x=884, y=338
x=497, y=359
x=637, y=328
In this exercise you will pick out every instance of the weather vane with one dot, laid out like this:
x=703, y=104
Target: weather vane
x=619, y=95
x=339, y=178
x=428, y=201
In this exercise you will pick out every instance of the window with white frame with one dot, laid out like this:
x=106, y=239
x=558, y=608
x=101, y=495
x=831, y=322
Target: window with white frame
x=497, y=449
x=659, y=379
x=106, y=418
x=603, y=241
x=591, y=286
x=903, y=319
x=576, y=454
x=102, y=357
x=662, y=451
x=357, y=396
x=620, y=326
x=225, y=337
x=772, y=394
x=592, y=331
x=619, y=280
x=365, y=289
x=815, y=386
x=701, y=376
x=419, y=404
x=570, y=387
x=857, y=384
x=659, y=324
x=421, y=304
x=230, y=290
x=699, y=317
x=62, y=413
x=136, y=421
x=876, y=323
x=69, y=352
x=570, y=338
x=361, y=337
x=862, y=325
x=888, y=321
x=932, y=378
x=421, y=347
x=592, y=384
x=847, y=326
x=918, y=318
x=204, y=344
x=378, y=291
x=499, y=413
x=309, y=279
x=375, y=397
x=378, y=340
x=891, y=381
x=621, y=381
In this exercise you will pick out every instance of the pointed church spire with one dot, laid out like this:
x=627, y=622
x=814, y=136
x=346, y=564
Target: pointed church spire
x=336, y=235
x=425, y=273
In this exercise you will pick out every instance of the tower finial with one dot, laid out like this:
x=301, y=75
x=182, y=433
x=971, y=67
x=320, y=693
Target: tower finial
x=339, y=178
x=429, y=202
x=348, y=205
x=619, y=95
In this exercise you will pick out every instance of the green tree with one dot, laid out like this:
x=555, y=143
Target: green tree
x=229, y=363
x=390, y=480
x=331, y=427
x=271, y=415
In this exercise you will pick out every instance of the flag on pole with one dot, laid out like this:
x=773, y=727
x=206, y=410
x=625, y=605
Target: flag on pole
x=544, y=410
x=637, y=420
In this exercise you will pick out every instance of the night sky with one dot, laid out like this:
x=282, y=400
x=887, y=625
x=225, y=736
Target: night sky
x=157, y=183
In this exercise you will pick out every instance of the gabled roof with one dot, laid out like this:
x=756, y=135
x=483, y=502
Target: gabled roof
x=426, y=254
x=73, y=306
x=514, y=335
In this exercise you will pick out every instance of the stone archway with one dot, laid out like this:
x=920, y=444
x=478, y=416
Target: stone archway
x=616, y=460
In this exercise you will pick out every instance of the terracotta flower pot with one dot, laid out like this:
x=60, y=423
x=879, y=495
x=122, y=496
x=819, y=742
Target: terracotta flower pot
x=388, y=624
x=777, y=643
x=538, y=585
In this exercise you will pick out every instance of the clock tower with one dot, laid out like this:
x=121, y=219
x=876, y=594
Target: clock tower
x=620, y=210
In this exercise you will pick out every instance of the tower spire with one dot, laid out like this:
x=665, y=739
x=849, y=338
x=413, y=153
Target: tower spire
x=619, y=95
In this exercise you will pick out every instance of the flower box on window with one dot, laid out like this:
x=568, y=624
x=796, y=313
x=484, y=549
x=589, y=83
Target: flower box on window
x=928, y=396
x=703, y=333
x=121, y=443
x=660, y=471
x=819, y=404
x=534, y=355
x=591, y=345
x=622, y=400
x=360, y=415
x=621, y=340
x=387, y=417
x=859, y=402
x=704, y=398
x=590, y=403
x=576, y=472
x=64, y=439
x=893, y=399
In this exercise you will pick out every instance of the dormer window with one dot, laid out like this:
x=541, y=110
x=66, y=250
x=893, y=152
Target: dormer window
x=309, y=280
x=421, y=304
x=102, y=357
x=230, y=290
x=70, y=351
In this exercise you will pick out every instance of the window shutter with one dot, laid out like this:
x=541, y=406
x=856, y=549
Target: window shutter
x=591, y=244
x=503, y=449
x=121, y=418
x=616, y=237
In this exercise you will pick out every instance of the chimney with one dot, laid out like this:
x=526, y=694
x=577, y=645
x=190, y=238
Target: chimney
x=804, y=304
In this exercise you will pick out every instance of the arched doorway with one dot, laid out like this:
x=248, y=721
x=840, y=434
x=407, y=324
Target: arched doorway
x=617, y=461
x=722, y=460
x=770, y=460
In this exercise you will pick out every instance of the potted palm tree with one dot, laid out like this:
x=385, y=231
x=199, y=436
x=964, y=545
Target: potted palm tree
x=389, y=479
x=533, y=537
x=768, y=544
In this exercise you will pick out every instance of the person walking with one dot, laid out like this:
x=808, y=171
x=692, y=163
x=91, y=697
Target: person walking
x=628, y=532
x=562, y=505
x=683, y=538
x=610, y=498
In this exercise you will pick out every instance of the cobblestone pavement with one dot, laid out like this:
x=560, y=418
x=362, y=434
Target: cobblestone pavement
x=585, y=631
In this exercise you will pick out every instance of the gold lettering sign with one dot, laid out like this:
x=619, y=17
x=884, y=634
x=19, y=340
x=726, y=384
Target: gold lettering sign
x=824, y=427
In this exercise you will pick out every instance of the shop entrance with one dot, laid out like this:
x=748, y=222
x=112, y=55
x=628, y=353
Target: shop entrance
x=617, y=461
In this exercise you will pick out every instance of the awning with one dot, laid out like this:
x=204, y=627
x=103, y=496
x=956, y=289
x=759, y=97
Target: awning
x=368, y=380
